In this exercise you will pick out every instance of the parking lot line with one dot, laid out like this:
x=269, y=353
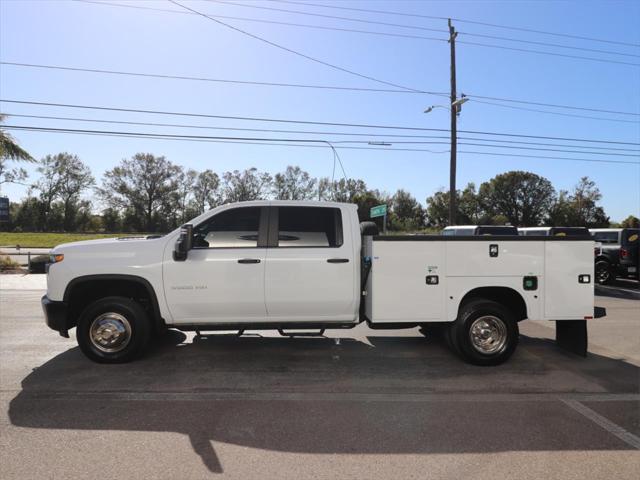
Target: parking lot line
x=333, y=396
x=608, y=425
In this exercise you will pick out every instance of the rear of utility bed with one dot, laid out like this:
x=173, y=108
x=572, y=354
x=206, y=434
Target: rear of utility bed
x=420, y=279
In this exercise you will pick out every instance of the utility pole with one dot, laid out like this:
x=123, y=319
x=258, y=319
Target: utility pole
x=454, y=127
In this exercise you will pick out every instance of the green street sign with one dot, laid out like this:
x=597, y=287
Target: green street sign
x=378, y=211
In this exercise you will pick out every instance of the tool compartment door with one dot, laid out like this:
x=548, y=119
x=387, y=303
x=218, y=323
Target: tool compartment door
x=399, y=290
x=564, y=296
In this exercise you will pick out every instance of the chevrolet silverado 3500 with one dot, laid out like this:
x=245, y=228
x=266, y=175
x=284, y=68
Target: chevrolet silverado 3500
x=311, y=265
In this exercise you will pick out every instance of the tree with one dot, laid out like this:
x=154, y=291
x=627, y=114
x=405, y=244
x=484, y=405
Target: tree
x=184, y=193
x=11, y=151
x=74, y=178
x=524, y=198
x=438, y=208
x=630, y=222
x=49, y=186
x=139, y=186
x=247, y=185
x=368, y=199
x=206, y=191
x=111, y=220
x=343, y=190
x=585, y=197
x=471, y=209
x=294, y=184
x=579, y=208
x=406, y=212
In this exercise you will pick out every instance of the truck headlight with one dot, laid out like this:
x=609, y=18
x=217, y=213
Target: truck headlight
x=57, y=258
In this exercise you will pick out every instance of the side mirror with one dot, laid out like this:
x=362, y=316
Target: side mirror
x=184, y=243
x=368, y=229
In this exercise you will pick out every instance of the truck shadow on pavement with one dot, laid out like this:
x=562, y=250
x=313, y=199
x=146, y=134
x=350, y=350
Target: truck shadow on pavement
x=314, y=395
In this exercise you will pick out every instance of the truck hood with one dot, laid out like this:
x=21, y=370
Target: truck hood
x=111, y=245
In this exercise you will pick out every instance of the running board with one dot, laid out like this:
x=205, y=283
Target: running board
x=571, y=335
x=301, y=334
x=239, y=333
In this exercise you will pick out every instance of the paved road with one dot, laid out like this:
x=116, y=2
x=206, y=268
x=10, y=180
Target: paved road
x=363, y=404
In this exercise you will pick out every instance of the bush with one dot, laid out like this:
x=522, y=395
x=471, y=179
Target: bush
x=7, y=264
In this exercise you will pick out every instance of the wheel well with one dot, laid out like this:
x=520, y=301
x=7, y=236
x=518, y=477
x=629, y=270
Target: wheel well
x=603, y=259
x=85, y=290
x=503, y=295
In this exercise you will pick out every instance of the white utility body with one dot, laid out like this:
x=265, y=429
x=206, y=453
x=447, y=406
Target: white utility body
x=312, y=265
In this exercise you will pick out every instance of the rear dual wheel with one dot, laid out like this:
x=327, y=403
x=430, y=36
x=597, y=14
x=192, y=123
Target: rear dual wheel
x=485, y=333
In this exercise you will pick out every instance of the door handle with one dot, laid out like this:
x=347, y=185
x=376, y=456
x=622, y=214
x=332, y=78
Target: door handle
x=249, y=260
x=338, y=260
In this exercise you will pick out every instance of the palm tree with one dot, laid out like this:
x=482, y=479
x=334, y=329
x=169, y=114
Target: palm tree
x=9, y=149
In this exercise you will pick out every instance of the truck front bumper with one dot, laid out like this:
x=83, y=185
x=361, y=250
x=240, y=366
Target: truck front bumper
x=56, y=315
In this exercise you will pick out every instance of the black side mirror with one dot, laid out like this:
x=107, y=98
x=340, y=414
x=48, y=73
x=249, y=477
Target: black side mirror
x=368, y=229
x=184, y=243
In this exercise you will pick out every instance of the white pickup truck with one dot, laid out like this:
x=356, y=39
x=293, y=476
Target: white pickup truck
x=289, y=265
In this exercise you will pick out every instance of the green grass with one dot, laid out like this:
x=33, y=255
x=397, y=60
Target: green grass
x=10, y=239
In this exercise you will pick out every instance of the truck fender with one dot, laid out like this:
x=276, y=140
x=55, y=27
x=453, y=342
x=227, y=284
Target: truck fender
x=157, y=319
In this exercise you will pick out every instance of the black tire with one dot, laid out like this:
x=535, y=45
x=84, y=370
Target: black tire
x=604, y=273
x=500, y=320
x=132, y=343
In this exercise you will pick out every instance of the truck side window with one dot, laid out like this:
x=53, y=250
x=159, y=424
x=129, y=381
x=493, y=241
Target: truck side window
x=606, y=237
x=309, y=227
x=234, y=228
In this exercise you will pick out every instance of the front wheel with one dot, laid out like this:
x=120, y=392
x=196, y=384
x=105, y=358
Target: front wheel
x=113, y=330
x=485, y=333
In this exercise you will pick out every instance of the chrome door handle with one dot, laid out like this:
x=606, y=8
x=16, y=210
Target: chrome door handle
x=249, y=260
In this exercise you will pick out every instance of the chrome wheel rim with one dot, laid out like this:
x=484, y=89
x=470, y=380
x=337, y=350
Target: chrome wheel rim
x=488, y=334
x=110, y=332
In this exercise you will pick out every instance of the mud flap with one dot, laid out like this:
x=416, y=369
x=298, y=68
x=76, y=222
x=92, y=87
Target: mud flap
x=571, y=335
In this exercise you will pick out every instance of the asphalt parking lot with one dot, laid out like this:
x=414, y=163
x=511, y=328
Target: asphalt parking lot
x=358, y=404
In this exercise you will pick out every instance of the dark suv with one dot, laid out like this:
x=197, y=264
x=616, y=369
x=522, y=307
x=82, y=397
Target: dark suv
x=618, y=255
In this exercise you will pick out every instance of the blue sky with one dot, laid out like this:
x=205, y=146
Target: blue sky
x=78, y=34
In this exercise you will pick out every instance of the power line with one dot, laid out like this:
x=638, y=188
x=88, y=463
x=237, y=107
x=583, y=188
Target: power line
x=546, y=44
x=550, y=158
x=295, y=52
x=514, y=107
x=540, y=52
x=432, y=17
x=274, y=22
x=347, y=134
x=309, y=122
x=416, y=27
x=206, y=79
x=418, y=37
x=299, y=85
x=286, y=141
x=554, y=105
x=370, y=135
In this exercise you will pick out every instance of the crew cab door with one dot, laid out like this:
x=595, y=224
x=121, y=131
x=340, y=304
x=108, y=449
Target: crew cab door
x=311, y=272
x=222, y=279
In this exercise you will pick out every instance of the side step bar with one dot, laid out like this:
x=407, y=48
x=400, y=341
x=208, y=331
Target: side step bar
x=284, y=333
